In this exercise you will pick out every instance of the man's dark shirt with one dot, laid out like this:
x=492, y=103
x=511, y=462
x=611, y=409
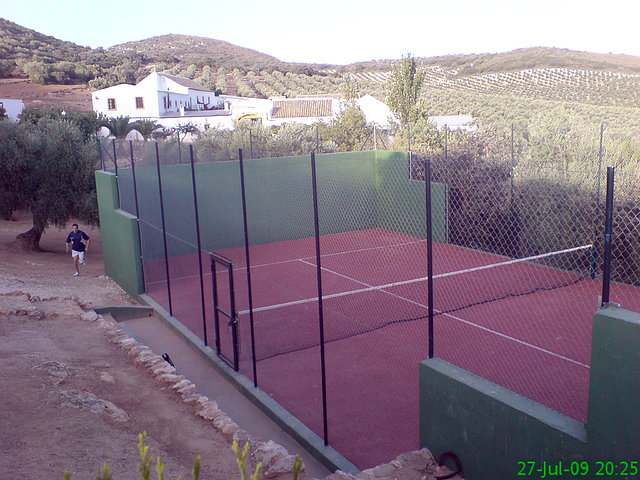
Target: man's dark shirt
x=76, y=240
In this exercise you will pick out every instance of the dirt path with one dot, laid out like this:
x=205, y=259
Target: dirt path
x=70, y=399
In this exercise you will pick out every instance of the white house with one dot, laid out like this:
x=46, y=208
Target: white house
x=172, y=100
x=455, y=123
x=167, y=99
x=13, y=107
x=305, y=110
x=376, y=112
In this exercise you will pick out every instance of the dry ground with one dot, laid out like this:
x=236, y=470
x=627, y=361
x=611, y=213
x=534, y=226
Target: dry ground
x=68, y=97
x=57, y=370
x=70, y=399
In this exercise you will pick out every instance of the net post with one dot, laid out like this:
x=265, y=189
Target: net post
x=100, y=156
x=429, y=226
x=199, y=243
x=608, y=240
x=248, y=261
x=115, y=158
x=214, y=296
x=135, y=198
x=164, y=231
x=316, y=222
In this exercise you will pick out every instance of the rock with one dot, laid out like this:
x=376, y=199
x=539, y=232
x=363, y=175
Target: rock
x=106, y=377
x=89, y=316
x=339, y=475
x=162, y=372
x=281, y=467
x=229, y=428
x=209, y=413
x=384, y=470
x=168, y=377
x=56, y=369
x=88, y=401
x=417, y=460
x=270, y=453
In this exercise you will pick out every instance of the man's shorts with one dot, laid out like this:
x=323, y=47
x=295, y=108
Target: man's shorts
x=81, y=256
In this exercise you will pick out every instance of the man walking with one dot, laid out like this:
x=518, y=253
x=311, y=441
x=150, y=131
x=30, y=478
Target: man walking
x=78, y=248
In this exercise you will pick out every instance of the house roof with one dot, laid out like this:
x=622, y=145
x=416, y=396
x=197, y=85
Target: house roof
x=185, y=82
x=302, y=108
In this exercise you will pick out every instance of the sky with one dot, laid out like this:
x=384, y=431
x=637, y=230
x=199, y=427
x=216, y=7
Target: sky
x=343, y=31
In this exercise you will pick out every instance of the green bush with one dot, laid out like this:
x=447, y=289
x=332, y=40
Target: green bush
x=147, y=462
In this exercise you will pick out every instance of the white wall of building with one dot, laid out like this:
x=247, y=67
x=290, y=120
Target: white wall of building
x=13, y=107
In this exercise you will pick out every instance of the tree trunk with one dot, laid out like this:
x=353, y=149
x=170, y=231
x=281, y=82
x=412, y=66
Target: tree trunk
x=29, y=240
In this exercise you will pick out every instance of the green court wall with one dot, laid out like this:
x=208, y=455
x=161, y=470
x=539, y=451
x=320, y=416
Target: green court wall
x=356, y=191
x=492, y=429
x=401, y=201
x=121, y=243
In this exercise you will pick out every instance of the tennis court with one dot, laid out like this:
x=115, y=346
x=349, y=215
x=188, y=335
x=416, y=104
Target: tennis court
x=513, y=325
x=513, y=304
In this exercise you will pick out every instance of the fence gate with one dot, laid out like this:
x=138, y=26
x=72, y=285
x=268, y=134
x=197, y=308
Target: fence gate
x=227, y=342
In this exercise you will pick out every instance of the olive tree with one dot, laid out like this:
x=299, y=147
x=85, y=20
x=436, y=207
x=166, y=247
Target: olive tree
x=47, y=169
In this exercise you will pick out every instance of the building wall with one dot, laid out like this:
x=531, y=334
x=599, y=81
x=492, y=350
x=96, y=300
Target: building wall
x=13, y=107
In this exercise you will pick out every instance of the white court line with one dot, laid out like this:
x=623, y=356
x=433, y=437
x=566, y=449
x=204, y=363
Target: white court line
x=281, y=262
x=382, y=289
x=347, y=252
x=408, y=282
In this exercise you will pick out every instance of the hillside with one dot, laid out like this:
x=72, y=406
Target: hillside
x=520, y=59
x=182, y=48
x=524, y=85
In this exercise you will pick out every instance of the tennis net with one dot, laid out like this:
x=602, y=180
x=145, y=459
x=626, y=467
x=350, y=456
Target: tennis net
x=293, y=326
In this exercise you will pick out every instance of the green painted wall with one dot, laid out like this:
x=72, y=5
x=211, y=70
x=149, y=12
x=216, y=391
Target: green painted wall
x=614, y=395
x=401, y=201
x=491, y=428
x=121, y=244
x=357, y=191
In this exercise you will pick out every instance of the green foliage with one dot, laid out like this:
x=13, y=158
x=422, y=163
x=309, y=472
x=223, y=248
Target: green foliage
x=241, y=460
x=404, y=90
x=119, y=127
x=147, y=461
x=47, y=169
x=348, y=131
x=87, y=122
x=257, y=141
x=146, y=127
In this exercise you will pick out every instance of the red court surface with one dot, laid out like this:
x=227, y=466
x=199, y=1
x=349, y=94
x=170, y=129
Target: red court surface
x=535, y=339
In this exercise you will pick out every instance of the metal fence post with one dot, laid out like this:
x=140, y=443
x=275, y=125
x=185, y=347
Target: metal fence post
x=320, y=306
x=199, y=243
x=429, y=225
x=164, y=231
x=608, y=240
x=248, y=260
x=135, y=198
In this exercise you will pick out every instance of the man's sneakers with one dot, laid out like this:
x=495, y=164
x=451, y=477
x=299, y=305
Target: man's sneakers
x=76, y=274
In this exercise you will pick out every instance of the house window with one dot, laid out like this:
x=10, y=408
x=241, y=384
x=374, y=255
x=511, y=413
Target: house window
x=111, y=103
x=139, y=102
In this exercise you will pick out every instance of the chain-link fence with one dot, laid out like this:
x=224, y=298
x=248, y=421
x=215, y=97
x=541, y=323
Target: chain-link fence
x=323, y=274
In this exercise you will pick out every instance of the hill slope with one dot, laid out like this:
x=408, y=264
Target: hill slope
x=521, y=85
x=183, y=48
